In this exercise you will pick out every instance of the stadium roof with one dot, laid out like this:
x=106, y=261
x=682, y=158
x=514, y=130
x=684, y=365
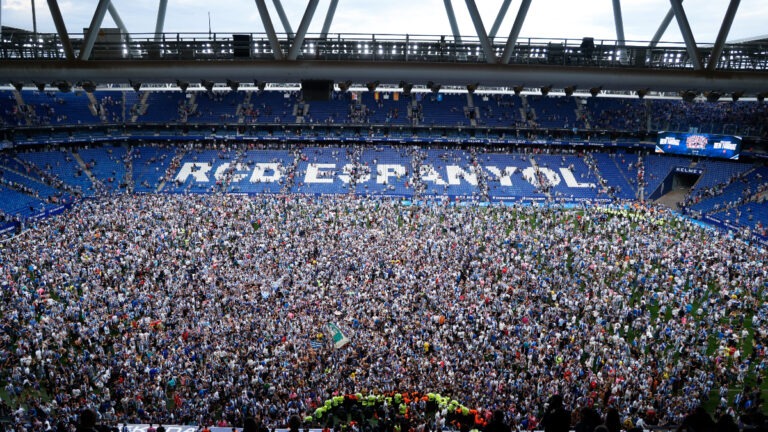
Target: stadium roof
x=481, y=53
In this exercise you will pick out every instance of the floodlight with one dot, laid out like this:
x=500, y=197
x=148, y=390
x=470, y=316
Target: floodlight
x=207, y=84
x=63, y=86
x=713, y=96
x=372, y=85
x=88, y=86
x=407, y=87
x=688, y=95
x=183, y=85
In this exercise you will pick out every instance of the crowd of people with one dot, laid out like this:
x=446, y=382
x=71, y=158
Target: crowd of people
x=210, y=309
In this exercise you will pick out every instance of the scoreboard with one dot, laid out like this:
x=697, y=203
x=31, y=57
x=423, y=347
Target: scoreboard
x=699, y=144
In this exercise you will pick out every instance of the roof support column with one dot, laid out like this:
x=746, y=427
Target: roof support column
x=61, y=29
x=120, y=24
x=93, y=29
x=298, y=41
x=269, y=29
x=685, y=29
x=283, y=18
x=499, y=18
x=515, y=32
x=452, y=21
x=490, y=56
x=34, y=27
x=662, y=28
x=722, y=35
x=619, y=22
x=162, y=6
x=329, y=19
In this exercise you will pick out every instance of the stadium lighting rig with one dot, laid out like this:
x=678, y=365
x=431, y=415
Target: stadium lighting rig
x=735, y=96
x=713, y=96
x=407, y=87
x=88, y=86
x=233, y=85
x=688, y=95
x=517, y=89
x=183, y=85
x=63, y=86
x=207, y=84
x=546, y=89
x=18, y=85
x=594, y=91
x=135, y=85
x=642, y=92
x=472, y=87
x=344, y=86
x=372, y=85
x=433, y=86
x=569, y=90
x=40, y=86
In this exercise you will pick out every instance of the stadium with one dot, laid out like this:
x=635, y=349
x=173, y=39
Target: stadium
x=309, y=230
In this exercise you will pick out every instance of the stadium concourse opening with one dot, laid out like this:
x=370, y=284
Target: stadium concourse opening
x=678, y=184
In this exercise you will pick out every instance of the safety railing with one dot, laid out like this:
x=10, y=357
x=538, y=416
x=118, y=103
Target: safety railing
x=382, y=48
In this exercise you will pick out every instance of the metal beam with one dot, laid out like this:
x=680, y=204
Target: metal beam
x=61, y=29
x=160, y=20
x=283, y=18
x=119, y=21
x=93, y=29
x=617, y=19
x=452, y=21
x=34, y=26
x=159, y=71
x=662, y=28
x=722, y=35
x=269, y=29
x=619, y=22
x=298, y=41
x=685, y=29
x=499, y=18
x=490, y=56
x=329, y=19
x=515, y=32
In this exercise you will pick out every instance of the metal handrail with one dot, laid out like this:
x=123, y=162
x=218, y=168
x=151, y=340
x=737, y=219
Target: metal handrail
x=374, y=47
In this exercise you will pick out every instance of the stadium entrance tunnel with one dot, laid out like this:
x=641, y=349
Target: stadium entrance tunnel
x=676, y=186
